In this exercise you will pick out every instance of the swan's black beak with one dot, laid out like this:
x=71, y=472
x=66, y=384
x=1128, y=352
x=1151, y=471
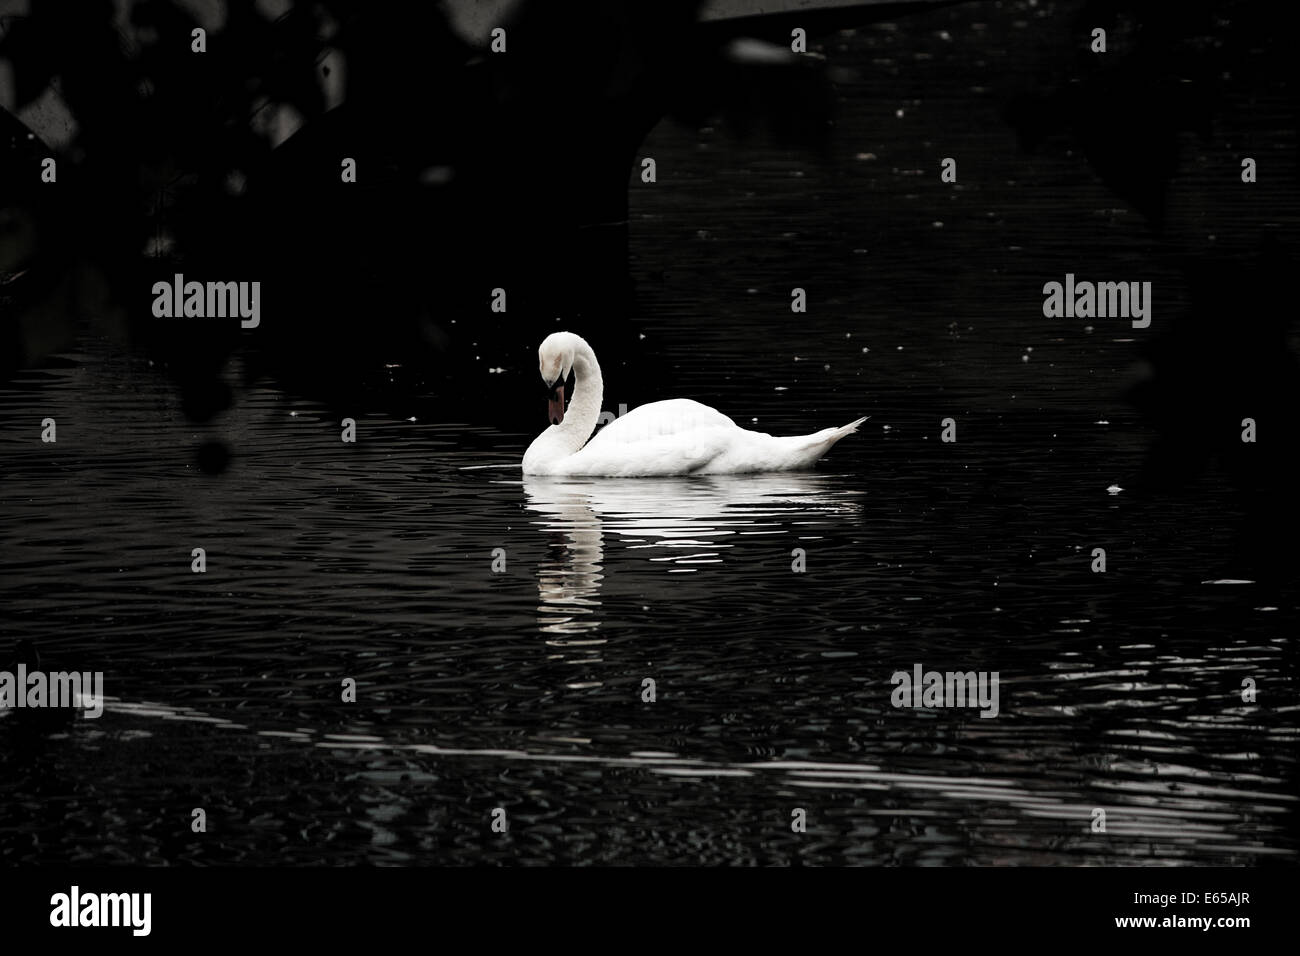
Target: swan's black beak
x=555, y=404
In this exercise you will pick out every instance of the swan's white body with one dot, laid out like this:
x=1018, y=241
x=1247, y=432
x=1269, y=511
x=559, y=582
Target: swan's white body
x=675, y=437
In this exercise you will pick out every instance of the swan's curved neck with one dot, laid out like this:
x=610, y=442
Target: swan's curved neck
x=580, y=418
x=583, y=413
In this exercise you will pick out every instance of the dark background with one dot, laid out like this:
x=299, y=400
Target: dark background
x=519, y=171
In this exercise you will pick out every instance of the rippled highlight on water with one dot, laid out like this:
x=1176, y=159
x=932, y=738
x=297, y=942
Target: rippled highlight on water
x=522, y=689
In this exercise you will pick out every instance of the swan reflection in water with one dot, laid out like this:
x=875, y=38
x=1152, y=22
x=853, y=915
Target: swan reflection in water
x=681, y=523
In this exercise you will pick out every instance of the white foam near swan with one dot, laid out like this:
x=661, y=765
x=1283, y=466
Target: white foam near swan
x=674, y=437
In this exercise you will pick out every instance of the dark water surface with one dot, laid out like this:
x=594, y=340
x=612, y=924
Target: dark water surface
x=522, y=689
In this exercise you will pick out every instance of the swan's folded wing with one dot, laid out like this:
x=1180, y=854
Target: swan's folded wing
x=682, y=453
x=677, y=416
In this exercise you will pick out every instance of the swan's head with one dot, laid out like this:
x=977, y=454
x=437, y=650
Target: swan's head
x=555, y=357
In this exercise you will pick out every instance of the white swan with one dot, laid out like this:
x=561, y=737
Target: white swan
x=675, y=437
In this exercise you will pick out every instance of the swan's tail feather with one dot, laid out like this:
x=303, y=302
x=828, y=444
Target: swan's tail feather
x=829, y=436
x=850, y=428
x=817, y=444
x=820, y=442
